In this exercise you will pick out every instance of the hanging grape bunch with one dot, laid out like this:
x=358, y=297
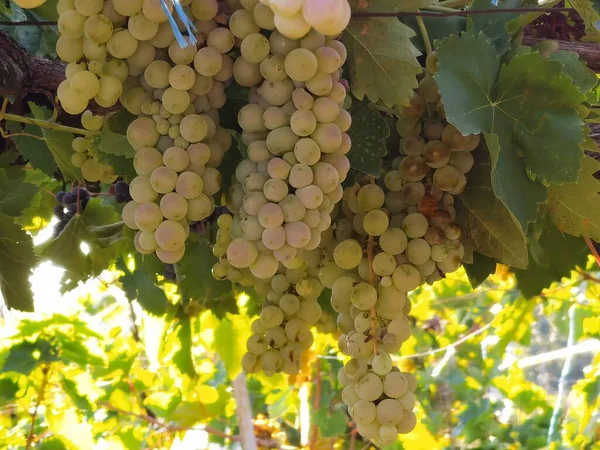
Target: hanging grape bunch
x=284, y=192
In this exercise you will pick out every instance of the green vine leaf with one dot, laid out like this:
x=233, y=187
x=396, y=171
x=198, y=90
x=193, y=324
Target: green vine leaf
x=529, y=103
x=66, y=250
x=584, y=78
x=493, y=25
x=383, y=61
x=182, y=358
x=112, y=138
x=197, y=283
x=15, y=195
x=486, y=220
x=368, y=133
x=138, y=285
x=34, y=150
x=575, y=207
x=480, y=269
x=16, y=263
x=59, y=144
x=552, y=256
x=230, y=344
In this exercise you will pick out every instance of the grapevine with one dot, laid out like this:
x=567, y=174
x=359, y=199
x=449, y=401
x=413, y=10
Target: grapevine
x=312, y=165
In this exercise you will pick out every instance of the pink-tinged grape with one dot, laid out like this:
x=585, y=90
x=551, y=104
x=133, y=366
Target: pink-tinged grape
x=170, y=235
x=241, y=253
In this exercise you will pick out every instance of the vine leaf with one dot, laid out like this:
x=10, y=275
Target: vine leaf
x=138, y=285
x=182, y=358
x=480, y=269
x=35, y=151
x=575, y=207
x=529, y=103
x=584, y=78
x=15, y=195
x=486, y=220
x=197, y=283
x=59, y=143
x=368, y=133
x=383, y=61
x=85, y=228
x=552, y=256
x=112, y=138
x=16, y=263
x=230, y=344
x=493, y=25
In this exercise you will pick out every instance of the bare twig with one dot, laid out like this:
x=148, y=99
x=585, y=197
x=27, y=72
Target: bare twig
x=40, y=400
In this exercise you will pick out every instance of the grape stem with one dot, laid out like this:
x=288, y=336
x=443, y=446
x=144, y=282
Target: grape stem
x=592, y=249
x=46, y=125
x=38, y=403
x=371, y=281
x=314, y=432
x=424, y=34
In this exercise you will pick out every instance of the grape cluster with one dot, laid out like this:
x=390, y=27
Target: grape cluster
x=120, y=191
x=389, y=237
x=285, y=191
x=69, y=204
x=86, y=158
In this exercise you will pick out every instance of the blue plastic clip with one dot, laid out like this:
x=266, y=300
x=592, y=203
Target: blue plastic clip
x=189, y=25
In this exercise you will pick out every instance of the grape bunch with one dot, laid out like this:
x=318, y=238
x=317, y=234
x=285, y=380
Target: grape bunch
x=69, y=204
x=285, y=191
x=389, y=237
x=120, y=190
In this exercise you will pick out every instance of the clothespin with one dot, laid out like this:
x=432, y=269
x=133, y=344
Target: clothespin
x=189, y=25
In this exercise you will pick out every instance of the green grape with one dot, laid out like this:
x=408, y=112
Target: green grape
x=413, y=168
x=182, y=77
x=418, y=251
x=264, y=267
x=208, y=61
x=163, y=180
x=375, y=222
x=270, y=215
x=141, y=190
x=436, y=154
x=251, y=363
x=413, y=192
x=250, y=118
x=221, y=39
x=297, y=234
x=415, y=225
x=370, y=197
x=326, y=177
x=170, y=256
x=246, y=74
x=91, y=122
x=264, y=17
x=325, y=109
x=462, y=161
x=281, y=45
x=204, y=9
x=300, y=175
x=84, y=83
x=406, y=278
x=277, y=93
x=303, y=123
x=127, y=7
x=310, y=196
x=257, y=345
x=271, y=316
x=320, y=84
x=142, y=133
x=255, y=48
x=309, y=311
x=381, y=364
x=173, y=206
x=393, y=241
x=69, y=50
x=148, y=216
x=384, y=264
x=297, y=330
x=157, y=74
x=89, y=7
x=175, y=101
x=200, y=208
x=189, y=185
x=193, y=128
x=328, y=136
x=147, y=240
x=122, y=44
x=241, y=253
x=307, y=152
x=64, y=5
x=369, y=387
x=128, y=214
x=348, y=254
x=242, y=24
x=78, y=159
x=364, y=296
x=71, y=24
x=300, y=64
x=80, y=144
x=281, y=141
x=170, y=235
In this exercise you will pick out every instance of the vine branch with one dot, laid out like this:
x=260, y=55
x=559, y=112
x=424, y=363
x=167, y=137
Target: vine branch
x=39, y=401
x=46, y=125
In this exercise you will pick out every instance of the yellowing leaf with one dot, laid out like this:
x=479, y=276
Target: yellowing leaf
x=230, y=342
x=65, y=425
